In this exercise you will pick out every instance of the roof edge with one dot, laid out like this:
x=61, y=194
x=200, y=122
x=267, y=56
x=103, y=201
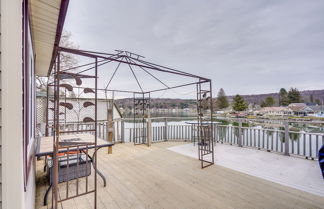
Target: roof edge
x=59, y=29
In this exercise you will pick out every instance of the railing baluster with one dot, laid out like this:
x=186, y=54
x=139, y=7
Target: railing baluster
x=178, y=132
x=156, y=133
x=316, y=146
x=157, y=130
x=277, y=141
x=310, y=145
x=259, y=139
x=243, y=137
x=263, y=140
x=268, y=146
x=87, y=156
x=293, y=146
x=304, y=143
x=281, y=144
x=272, y=133
x=67, y=172
x=77, y=172
x=250, y=141
x=298, y=145
x=232, y=135
x=181, y=132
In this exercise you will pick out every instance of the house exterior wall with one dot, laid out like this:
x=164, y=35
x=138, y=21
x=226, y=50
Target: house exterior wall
x=15, y=193
x=29, y=124
x=78, y=115
x=11, y=67
x=0, y=122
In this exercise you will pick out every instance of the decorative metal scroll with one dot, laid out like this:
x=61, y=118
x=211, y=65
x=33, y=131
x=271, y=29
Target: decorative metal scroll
x=141, y=113
x=205, y=124
x=88, y=120
x=78, y=81
x=88, y=104
x=67, y=105
x=88, y=90
x=67, y=86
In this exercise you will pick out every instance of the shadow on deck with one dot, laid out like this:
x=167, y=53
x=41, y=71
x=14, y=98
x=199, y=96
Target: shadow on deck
x=155, y=177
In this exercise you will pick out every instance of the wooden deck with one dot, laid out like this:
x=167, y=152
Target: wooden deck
x=142, y=177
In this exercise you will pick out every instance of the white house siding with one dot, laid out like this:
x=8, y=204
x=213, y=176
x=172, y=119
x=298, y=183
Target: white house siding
x=12, y=193
x=0, y=122
x=11, y=71
x=78, y=112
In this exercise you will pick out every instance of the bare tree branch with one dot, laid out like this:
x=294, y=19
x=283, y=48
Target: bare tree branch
x=67, y=60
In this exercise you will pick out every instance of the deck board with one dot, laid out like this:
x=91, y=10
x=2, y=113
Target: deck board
x=141, y=177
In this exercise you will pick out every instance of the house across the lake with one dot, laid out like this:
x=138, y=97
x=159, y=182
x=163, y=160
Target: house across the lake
x=294, y=109
x=275, y=111
x=318, y=110
x=301, y=109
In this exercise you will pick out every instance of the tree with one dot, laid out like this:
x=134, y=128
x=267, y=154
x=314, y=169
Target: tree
x=67, y=60
x=221, y=100
x=239, y=103
x=268, y=102
x=283, y=97
x=183, y=105
x=294, y=96
x=317, y=101
x=311, y=98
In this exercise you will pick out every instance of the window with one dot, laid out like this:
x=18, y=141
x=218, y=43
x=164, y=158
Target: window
x=28, y=95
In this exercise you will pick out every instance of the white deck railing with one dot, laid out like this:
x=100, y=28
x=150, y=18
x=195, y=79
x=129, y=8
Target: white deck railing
x=271, y=140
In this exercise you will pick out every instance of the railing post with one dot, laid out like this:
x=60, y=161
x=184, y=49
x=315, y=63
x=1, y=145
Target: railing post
x=149, y=131
x=286, y=138
x=122, y=130
x=239, y=141
x=165, y=129
x=110, y=128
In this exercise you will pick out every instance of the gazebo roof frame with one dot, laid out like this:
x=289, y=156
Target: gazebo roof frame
x=131, y=59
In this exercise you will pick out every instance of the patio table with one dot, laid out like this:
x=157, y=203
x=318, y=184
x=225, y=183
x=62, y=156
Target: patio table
x=44, y=147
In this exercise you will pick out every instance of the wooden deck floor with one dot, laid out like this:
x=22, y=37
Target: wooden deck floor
x=142, y=177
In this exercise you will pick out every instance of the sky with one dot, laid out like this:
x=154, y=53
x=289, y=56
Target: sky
x=245, y=47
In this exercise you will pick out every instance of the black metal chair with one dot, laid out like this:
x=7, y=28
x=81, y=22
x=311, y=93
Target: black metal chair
x=321, y=159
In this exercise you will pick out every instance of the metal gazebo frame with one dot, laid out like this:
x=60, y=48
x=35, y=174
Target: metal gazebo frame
x=142, y=104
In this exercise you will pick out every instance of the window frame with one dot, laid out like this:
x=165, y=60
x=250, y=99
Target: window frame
x=28, y=96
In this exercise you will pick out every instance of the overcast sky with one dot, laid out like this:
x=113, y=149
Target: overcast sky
x=245, y=47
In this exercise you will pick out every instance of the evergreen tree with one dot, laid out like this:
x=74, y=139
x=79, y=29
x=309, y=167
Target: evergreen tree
x=268, y=102
x=283, y=97
x=294, y=96
x=183, y=105
x=311, y=98
x=239, y=103
x=221, y=100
